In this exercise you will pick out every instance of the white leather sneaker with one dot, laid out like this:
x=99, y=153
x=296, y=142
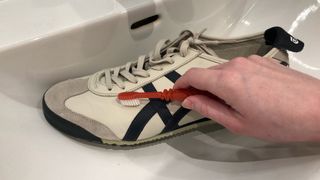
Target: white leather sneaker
x=87, y=107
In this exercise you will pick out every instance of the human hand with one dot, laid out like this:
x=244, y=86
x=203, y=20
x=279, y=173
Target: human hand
x=262, y=99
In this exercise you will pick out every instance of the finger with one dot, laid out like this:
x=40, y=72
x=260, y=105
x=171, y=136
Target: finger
x=219, y=66
x=221, y=83
x=195, y=77
x=214, y=109
x=267, y=62
x=226, y=64
x=202, y=79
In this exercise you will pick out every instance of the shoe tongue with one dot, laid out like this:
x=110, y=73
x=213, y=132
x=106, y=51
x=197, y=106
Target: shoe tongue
x=184, y=36
x=204, y=48
x=175, y=43
x=208, y=50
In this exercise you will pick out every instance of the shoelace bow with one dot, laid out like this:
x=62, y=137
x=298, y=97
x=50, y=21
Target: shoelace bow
x=130, y=70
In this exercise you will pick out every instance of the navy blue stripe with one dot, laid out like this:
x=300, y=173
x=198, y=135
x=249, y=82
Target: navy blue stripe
x=147, y=112
x=158, y=105
x=197, y=121
x=162, y=109
x=178, y=115
x=141, y=119
x=181, y=112
x=173, y=76
x=153, y=107
x=149, y=88
x=139, y=122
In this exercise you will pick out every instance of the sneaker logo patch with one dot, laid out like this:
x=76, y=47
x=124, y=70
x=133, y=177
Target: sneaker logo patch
x=294, y=40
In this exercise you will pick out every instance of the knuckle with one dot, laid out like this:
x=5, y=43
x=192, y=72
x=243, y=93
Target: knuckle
x=191, y=71
x=229, y=76
x=239, y=61
x=227, y=83
x=204, y=111
x=220, y=77
x=243, y=65
x=236, y=128
x=254, y=57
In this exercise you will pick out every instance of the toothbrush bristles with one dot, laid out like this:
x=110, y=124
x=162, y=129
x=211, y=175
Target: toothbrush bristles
x=130, y=103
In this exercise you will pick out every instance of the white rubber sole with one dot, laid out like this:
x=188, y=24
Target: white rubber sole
x=159, y=137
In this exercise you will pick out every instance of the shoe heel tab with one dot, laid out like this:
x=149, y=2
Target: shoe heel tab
x=281, y=39
x=282, y=57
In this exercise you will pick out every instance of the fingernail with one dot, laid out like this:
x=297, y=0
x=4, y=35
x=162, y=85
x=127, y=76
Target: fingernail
x=187, y=104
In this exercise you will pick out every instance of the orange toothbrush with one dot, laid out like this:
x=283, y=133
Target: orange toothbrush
x=132, y=98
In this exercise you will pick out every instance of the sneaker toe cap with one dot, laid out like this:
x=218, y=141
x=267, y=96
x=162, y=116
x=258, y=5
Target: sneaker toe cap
x=68, y=121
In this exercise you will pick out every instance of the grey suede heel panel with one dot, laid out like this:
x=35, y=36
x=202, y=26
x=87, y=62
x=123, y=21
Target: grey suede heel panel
x=55, y=99
x=282, y=56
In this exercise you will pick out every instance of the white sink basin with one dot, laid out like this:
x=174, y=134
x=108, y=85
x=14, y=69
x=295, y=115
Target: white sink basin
x=58, y=39
x=30, y=20
x=45, y=41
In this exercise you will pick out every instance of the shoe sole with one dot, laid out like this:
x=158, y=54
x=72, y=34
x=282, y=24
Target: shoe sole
x=159, y=137
x=78, y=132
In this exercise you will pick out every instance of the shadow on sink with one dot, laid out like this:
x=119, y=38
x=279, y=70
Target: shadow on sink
x=213, y=143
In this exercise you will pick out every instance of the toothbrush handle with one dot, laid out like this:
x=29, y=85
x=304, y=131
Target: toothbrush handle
x=181, y=94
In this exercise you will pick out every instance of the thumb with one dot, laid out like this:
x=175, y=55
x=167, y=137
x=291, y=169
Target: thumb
x=215, y=110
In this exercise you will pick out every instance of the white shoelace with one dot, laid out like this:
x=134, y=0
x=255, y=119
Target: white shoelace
x=128, y=72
